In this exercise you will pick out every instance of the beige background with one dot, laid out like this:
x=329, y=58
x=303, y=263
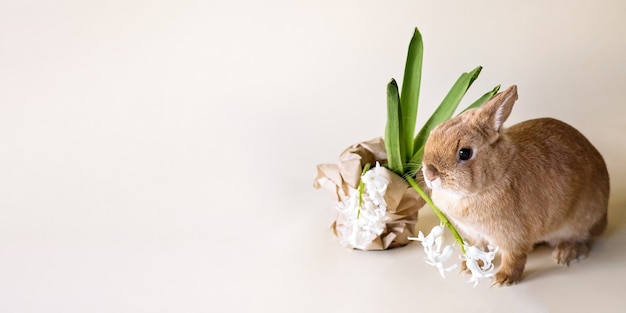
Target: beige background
x=158, y=156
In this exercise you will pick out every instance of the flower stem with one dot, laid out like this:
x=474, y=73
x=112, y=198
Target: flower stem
x=442, y=217
x=361, y=187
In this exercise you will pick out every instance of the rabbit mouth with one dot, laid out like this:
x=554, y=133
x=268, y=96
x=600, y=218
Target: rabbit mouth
x=449, y=193
x=434, y=184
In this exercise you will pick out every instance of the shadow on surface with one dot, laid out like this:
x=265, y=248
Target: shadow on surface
x=617, y=215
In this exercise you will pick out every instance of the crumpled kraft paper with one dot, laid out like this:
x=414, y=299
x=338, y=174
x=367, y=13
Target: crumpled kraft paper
x=403, y=203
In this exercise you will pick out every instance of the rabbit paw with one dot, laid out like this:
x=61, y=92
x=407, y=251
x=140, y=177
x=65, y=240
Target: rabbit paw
x=567, y=251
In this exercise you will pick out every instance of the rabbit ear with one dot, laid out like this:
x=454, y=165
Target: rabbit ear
x=497, y=110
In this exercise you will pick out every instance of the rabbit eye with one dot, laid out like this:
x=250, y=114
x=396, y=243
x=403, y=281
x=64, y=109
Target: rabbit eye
x=465, y=154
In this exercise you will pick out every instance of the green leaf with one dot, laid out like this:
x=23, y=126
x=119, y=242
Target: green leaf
x=393, y=130
x=443, y=112
x=447, y=107
x=415, y=162
x=409, y=97
x=483, y=99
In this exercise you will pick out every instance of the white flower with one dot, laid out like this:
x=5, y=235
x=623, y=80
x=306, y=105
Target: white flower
x=433, y=248
x=472, y=257
x=376, y=184
x=364, y=222
x=371, y=218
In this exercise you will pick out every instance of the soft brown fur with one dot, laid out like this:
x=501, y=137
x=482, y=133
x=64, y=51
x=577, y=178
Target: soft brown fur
x=537, y=181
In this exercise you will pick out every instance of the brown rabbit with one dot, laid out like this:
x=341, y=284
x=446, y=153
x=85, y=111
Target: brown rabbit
x=539, y=181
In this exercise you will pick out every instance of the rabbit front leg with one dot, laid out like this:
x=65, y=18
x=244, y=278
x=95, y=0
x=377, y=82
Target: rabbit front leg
x=511, y=268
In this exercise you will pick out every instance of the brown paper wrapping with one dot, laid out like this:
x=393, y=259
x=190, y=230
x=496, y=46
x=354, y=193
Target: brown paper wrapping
x=403, y=203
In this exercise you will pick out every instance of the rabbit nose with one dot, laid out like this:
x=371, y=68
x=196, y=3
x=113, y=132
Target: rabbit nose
x=431, y=172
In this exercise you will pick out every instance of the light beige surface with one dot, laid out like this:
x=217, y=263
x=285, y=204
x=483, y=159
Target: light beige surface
x=158, y=156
